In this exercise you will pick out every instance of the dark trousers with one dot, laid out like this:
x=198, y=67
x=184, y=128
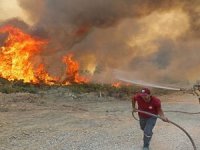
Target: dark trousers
x=147, y=125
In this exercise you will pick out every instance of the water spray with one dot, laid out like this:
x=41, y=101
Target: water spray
x=139, y=82
x=120, y=76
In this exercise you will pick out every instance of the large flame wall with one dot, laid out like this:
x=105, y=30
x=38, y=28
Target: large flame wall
x=16, y=63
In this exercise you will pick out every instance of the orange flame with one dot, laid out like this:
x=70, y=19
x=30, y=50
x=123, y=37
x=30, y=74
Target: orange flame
x=16, y=53
x=120, y=84
x=43, y=76
x=72, y=69
x=116, y=84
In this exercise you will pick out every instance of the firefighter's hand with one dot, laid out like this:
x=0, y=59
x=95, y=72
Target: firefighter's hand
x=165, y=119
x=134, y=110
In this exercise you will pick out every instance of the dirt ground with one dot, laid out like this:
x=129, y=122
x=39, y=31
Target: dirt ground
x=63, y=121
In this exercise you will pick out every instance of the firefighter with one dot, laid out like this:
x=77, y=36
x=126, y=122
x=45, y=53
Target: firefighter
x=146, y=102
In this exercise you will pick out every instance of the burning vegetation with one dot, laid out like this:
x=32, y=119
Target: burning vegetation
x=16, y=61
x=72, y=71
x=58, y=43
x=103, y=36
x=19, y=72
x=16, y=53
x=118, y=84
x=17, y=66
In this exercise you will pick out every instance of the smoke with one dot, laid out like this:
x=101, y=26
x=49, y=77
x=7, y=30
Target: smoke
x=155, y=39
x=193, y=10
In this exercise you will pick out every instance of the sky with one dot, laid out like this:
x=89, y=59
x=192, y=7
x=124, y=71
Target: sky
x=10, y=9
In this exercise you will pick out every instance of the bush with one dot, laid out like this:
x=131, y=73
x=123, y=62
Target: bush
x=17, y=86
x=105, y=89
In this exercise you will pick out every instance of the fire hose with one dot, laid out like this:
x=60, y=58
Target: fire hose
x=169, y=121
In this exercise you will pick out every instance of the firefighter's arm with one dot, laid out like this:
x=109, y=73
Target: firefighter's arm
x=161, y=114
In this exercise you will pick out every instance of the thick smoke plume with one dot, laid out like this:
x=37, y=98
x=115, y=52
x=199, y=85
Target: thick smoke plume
x=158, y=39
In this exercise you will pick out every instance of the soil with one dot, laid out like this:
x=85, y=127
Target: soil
x=60, y=120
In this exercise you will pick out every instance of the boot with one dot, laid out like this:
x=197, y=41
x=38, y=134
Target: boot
x=147, y=140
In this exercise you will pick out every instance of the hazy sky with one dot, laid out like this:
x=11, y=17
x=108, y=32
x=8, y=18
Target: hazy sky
x=10, y=9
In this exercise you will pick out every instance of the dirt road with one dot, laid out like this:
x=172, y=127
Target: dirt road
x=47, y=122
